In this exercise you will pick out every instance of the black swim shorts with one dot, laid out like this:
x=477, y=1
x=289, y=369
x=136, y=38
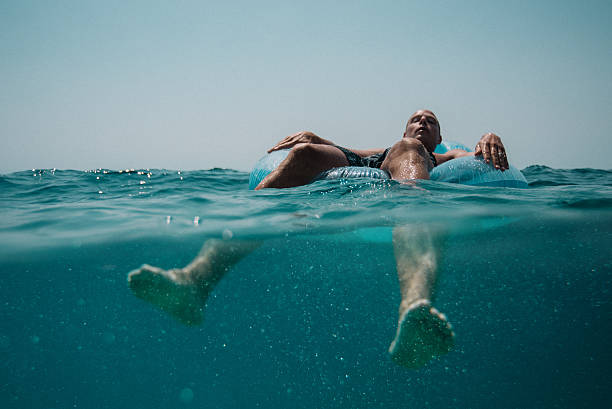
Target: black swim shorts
x=372, y=161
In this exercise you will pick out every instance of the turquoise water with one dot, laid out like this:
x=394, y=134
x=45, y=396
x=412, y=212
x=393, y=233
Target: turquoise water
x=305, y=320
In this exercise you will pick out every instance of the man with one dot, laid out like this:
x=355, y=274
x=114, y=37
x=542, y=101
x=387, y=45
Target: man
x=411, y=158
x=423, y=332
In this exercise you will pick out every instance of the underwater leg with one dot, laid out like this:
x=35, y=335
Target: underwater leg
x=183, y=292
x=423, y=332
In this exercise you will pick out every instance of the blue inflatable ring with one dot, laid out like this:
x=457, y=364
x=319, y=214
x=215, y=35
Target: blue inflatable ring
x=468, y=170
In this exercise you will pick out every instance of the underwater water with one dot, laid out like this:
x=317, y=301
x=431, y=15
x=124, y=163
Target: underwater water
x=304, y=321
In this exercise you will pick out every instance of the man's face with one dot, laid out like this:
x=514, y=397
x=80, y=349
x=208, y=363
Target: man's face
x=423, y=126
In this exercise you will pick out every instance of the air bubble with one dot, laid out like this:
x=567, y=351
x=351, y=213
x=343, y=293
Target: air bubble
x=186, y=395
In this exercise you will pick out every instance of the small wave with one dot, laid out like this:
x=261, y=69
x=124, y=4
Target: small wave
x=539, y=175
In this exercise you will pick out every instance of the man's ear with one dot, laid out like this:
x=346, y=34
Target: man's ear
x=404, y=134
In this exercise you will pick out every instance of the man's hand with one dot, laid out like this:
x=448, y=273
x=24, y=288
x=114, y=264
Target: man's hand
x=300, y=137
x=491, y=148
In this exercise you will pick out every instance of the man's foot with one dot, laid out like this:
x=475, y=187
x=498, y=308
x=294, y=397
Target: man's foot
x=423, y=333
x=171, y=290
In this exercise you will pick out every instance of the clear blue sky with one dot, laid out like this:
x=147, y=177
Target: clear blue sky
x=197, y=84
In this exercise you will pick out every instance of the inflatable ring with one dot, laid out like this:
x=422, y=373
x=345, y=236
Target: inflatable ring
x=467, y=170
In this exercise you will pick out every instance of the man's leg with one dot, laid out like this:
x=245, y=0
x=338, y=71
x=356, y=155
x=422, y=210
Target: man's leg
x=423, y=332
x=303, y=164
x=408, y=160
x=182, y=292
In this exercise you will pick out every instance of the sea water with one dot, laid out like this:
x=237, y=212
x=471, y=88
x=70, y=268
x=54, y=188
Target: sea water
x=304, y=321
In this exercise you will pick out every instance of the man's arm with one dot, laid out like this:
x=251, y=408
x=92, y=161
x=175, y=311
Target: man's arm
x=309, y=137
x=490, y=147
x=300, y=137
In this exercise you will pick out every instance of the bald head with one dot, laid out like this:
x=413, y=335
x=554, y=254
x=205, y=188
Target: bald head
x=424, y=126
